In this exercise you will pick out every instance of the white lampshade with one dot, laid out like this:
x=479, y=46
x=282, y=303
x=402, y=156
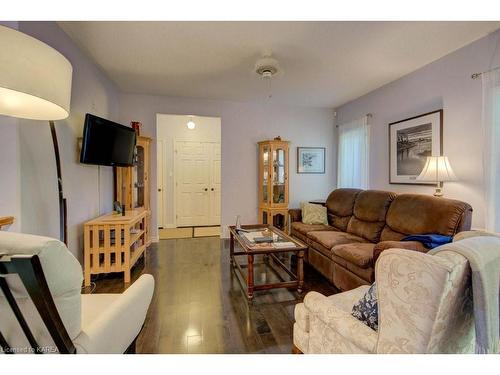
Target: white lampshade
x=35, y=79
x=437, y=169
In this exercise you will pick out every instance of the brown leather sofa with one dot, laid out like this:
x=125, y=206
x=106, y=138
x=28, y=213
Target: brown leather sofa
x=363, y=223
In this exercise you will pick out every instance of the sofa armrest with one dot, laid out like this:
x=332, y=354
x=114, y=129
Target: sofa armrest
x=406, y=245
x=118, y=323
x=342, y=322
x=295, y=214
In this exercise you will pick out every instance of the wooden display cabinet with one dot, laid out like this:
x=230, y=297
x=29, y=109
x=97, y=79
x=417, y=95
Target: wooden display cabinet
x=273, y=182
x=133, y=185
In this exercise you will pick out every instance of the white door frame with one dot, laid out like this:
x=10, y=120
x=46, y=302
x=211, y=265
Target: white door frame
x=160, y=182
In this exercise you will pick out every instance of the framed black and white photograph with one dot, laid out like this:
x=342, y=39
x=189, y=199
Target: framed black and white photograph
x=411, y=141
x=311, y=159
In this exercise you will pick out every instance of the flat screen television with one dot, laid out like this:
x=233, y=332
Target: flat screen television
x=107, y=143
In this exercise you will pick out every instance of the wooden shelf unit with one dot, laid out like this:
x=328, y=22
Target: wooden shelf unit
x=114, y=243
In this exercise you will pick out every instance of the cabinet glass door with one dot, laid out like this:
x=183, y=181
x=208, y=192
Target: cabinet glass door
x=265, y=174
x=279, y=175
x=138, y=176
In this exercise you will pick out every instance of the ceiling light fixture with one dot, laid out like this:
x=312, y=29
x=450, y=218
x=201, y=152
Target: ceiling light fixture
x=267, y=68
x=190, y=124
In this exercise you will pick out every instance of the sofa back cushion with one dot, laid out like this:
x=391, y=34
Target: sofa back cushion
x=370, y=210
x=423, y=214
x=340, y=205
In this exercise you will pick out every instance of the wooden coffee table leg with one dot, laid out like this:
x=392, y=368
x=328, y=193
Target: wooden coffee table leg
x=300, y=271
x=231, y=248
x=250, y=277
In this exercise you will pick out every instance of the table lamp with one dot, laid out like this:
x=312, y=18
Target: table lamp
x=437, y=169
x=35, y=84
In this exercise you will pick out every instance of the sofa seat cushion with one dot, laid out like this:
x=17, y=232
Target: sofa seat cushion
x=301, y=237
x=306, y=228
x=359, y=254
x=329, y=239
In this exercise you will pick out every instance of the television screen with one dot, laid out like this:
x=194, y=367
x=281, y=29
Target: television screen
x=107, y=143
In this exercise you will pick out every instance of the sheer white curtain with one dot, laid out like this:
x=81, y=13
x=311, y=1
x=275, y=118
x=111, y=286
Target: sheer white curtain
x=353, y=154
x=491, y=155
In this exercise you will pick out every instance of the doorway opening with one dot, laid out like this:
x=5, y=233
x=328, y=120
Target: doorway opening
x=189, y=176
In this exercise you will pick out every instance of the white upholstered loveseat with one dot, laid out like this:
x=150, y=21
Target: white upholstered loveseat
x=96, y=323
x=424, y=305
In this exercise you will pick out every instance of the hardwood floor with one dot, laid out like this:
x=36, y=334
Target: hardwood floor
x=199, y=307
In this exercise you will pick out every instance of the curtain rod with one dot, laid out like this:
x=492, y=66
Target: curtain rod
x=369, y=115
x=477, y=75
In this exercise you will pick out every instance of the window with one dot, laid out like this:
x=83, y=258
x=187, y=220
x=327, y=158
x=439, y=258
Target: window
x=353, y=154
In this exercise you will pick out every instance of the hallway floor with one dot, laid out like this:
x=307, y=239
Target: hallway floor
x=199, y=306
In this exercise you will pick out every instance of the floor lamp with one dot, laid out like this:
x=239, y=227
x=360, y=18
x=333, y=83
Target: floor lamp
x=35, y=84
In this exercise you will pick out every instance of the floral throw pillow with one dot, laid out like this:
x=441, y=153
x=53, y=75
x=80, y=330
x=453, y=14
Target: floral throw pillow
x=314, y=214
x=366, y=310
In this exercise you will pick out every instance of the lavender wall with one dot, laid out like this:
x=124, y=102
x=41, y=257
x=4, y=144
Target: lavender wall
x=243, y=125
x=445, y=83
x=92, y=92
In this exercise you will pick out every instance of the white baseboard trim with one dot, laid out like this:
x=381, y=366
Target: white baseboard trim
x=155, y=239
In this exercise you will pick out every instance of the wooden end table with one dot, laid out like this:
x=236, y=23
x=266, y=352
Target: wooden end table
x=250, y=249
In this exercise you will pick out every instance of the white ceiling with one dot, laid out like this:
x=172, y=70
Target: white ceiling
x=325, y=64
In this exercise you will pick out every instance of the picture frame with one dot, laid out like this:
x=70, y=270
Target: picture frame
x=410, y=142
x=311, y=160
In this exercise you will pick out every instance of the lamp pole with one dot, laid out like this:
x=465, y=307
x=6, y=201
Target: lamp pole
x=63, y=209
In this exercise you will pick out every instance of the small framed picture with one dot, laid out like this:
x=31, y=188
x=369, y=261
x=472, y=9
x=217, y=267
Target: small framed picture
x=410, y=142
x=311, y=159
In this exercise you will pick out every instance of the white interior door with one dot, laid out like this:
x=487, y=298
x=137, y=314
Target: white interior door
x=197, y=183
x=192, y=183
x=215, y=184
x=159, y=181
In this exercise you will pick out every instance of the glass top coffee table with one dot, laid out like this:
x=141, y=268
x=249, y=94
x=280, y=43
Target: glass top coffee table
x=251, y=244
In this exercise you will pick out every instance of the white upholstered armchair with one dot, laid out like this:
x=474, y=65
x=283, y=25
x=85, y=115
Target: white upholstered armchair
x=69, y=321
x=424, y=306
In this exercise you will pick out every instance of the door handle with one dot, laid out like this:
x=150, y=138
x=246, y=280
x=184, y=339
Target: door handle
x=212, y=189
x=206, y=189
x=159, y=190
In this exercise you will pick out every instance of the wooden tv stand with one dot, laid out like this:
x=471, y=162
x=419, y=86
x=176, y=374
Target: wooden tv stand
x=114, y=243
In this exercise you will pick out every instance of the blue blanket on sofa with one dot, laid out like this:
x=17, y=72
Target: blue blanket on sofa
x=430, y=241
